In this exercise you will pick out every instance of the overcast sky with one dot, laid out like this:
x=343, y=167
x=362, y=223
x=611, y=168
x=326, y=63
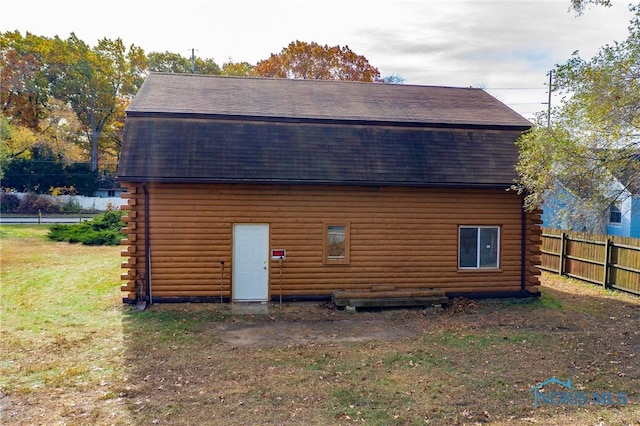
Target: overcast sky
x=504, y=46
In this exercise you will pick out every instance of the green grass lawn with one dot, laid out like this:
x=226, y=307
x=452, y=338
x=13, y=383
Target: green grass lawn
x=61, y=319
x=72, y=353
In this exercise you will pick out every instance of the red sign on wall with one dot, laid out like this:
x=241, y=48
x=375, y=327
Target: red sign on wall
x=277, y=254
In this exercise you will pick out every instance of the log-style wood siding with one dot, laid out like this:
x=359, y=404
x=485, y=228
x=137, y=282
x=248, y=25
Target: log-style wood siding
x=404, y=237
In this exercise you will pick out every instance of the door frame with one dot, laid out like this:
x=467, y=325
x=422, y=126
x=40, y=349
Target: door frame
x=235, y=264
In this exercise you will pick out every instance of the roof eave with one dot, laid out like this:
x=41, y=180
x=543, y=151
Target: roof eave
x=523, y=126
x=173, y=180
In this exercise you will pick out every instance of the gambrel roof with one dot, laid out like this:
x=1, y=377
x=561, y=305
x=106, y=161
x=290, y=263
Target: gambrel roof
x=193, y=128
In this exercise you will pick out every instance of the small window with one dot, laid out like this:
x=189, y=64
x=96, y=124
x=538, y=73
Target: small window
x=111, y=193
x=615, y=215
x=479, y=247
x=336, y=243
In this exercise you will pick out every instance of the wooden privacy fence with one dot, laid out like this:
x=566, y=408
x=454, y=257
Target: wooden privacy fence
x=606, y=260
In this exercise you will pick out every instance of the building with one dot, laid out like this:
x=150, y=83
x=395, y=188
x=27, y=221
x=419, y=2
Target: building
x=250, y=189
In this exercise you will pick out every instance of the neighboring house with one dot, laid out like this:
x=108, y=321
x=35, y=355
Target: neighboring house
x=108, y=187
x=250, y=189
x=561, y=210
x=109, y=192
x=621, y=218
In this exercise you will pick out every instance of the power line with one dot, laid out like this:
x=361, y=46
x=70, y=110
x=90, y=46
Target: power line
x=514, y=88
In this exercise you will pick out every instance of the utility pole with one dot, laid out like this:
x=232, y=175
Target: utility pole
x=193, y=61
x=549, y=100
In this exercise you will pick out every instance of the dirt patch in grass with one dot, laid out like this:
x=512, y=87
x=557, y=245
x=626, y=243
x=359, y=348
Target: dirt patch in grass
x=275, y=333
x=100, y=363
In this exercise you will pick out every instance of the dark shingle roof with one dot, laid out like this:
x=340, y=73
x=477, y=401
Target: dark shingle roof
x=183, y=128
x=320, y=99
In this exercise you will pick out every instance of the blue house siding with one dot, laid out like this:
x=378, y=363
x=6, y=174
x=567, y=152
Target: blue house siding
x=630, y=223
x=634, y=225
x=554, y=216
x=621, y=229
x=555, y=213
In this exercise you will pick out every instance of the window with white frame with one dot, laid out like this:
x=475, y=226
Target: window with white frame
x=478, y=247
x=615, y=215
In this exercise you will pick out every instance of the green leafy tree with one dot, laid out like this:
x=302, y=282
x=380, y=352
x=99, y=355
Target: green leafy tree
x=17, y=141
x=62, y=132
x=96, y=83
x=167, y=62
x=24, y=89
x=5, y=154
x=242, y=69
x=35, y=118
x=176, y=63
x=594, y=134
x=36, y=174
x=93, y=81
x=580, y=5
x=312, y=61
x=81, y=178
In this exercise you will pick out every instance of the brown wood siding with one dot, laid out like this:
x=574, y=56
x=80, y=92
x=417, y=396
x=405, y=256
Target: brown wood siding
x=404, y=237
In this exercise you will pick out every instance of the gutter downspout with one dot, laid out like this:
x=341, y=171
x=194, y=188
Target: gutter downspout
x=523, y=248
x=147, y=250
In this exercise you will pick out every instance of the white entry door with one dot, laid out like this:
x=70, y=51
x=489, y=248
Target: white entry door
x=250, y=262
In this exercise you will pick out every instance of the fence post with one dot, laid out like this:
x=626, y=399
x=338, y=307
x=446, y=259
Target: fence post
x=562, y=248
x=607, y=258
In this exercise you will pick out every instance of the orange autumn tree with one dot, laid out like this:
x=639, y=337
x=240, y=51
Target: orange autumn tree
x=311, y=61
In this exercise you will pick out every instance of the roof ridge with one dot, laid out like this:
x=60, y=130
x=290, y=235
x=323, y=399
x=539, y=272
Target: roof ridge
x=315, y=81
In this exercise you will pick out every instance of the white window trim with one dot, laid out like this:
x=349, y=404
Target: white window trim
x=478, y=267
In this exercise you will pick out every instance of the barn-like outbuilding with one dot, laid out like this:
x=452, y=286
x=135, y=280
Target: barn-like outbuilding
x=253, y=189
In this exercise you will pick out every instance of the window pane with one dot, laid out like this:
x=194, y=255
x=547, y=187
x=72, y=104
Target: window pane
x=468, y=247
x=335, y=242
x=488, y=247
x=615, y=215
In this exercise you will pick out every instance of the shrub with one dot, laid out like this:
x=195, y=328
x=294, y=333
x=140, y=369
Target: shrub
x=101, y=230
x=72, y=206
x=32, y=204
x=62, y=190
x=8, y=202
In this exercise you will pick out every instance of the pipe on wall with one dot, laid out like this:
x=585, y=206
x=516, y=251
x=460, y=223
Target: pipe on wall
x=147, y=246
x=523, y=249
